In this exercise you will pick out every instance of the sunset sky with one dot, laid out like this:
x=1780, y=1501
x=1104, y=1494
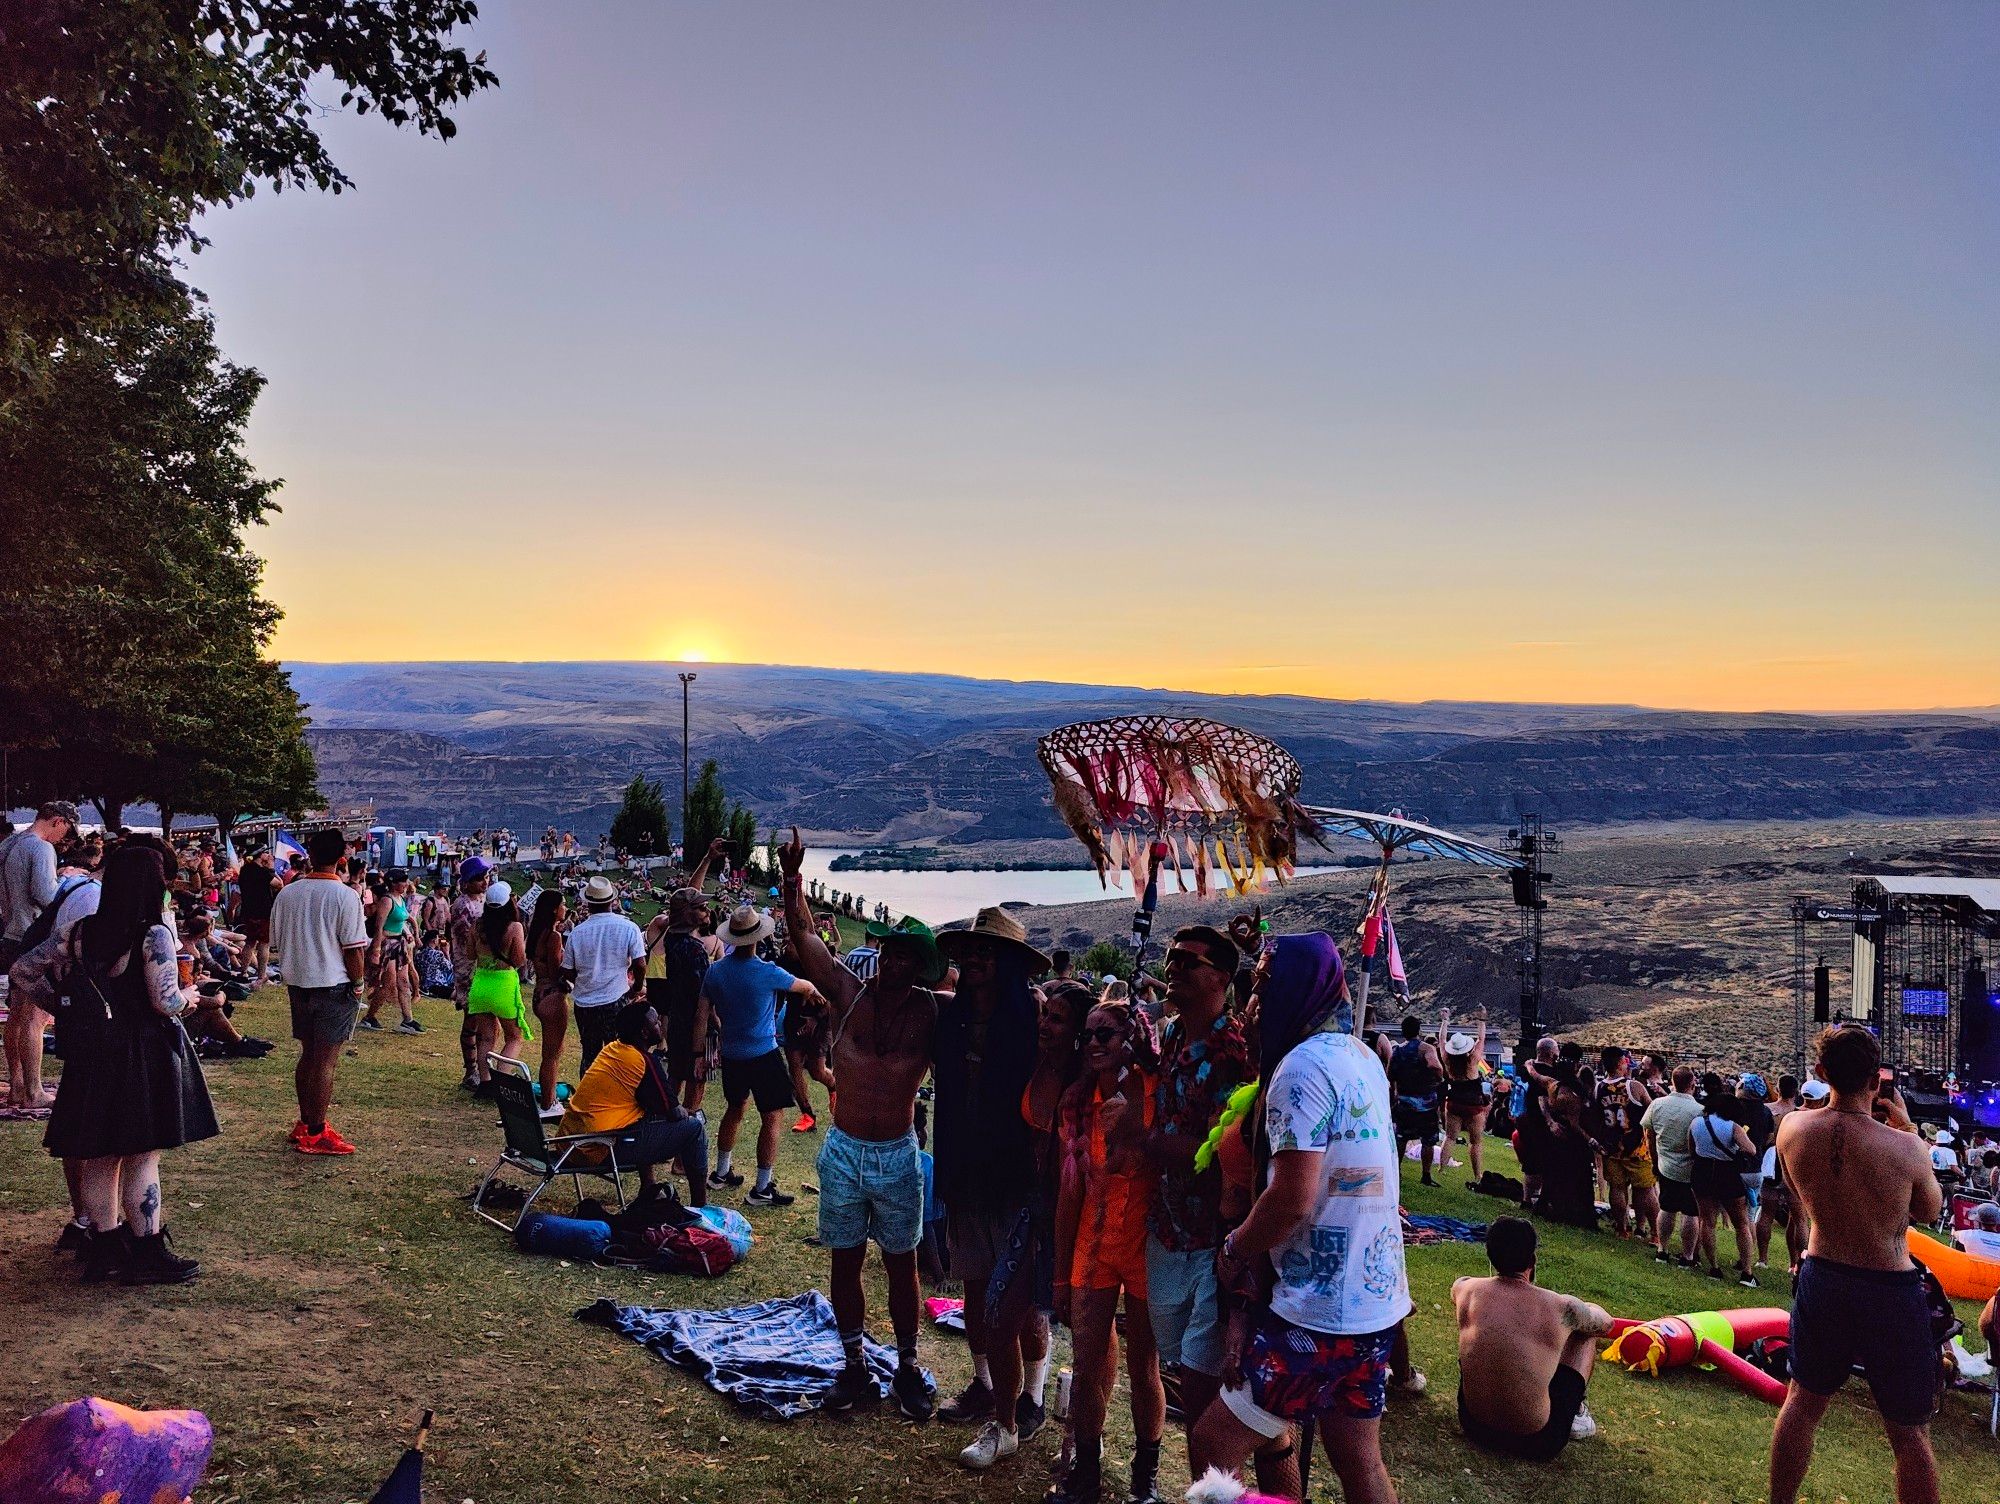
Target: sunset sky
x=1550, y=352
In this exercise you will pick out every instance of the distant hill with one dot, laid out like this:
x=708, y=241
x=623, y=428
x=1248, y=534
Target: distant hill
x=878, y=756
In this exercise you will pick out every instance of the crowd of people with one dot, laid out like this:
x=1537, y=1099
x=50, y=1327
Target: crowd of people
x=1197, y=1174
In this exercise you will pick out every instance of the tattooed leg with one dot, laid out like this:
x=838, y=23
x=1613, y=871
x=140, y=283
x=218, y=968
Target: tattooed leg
x=144, y=1212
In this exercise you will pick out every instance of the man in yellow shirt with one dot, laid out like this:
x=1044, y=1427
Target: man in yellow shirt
x=626, y=1091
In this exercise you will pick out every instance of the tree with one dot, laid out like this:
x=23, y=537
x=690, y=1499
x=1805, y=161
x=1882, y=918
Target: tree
x=124, y=119
x=131, y=606
x=640, y=826
x=742, y=833
x=249, y=756
x=1106, y=958
x=707, y=814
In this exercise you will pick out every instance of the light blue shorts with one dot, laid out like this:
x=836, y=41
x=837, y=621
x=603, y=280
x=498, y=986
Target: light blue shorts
x=871, y=1188
x=1180, y=1294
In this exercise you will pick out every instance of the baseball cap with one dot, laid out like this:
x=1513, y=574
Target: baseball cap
x=1815, y=1091
x=473, y=867
x=497, y=894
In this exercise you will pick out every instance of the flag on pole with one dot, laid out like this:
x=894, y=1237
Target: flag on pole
x=406, y=1484
x=1399, y=979
x=285, y=849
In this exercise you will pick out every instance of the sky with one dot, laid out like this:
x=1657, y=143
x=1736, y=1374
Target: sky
x=1539, y=352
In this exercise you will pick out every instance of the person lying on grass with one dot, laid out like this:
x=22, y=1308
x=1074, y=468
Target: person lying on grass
x=1524, y=1353
x=626, y=1091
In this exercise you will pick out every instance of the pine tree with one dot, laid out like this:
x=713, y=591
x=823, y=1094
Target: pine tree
x=640, y=826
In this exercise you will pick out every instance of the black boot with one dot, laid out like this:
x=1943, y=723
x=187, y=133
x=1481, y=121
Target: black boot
x=153, y=1262
x=1084, y=1483
x=104, y=1254
x=1145, y=1473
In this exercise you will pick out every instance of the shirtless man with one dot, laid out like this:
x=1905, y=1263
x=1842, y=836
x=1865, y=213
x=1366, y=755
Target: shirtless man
x=1524, y=1353
x=871, y=1181
x=1862, y=1175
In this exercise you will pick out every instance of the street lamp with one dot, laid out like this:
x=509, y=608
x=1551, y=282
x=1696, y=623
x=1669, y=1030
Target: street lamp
x=687, y=855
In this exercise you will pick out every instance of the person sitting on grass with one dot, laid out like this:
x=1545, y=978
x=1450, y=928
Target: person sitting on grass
x=627, y=1091
x=1524, y=1353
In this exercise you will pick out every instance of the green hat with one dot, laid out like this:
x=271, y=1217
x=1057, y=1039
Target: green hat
x=907, y=928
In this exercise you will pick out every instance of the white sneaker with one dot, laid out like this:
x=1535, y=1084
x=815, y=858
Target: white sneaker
x=552, y=1114
x=990, y=1446
x=1583, y=1427
x=1416, y=1383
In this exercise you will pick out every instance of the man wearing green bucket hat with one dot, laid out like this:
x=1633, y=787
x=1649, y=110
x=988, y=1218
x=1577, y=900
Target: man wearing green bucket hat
x=871, y=1181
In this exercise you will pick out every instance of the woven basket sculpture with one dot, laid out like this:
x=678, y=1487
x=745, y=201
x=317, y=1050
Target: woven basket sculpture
x=1203, y=788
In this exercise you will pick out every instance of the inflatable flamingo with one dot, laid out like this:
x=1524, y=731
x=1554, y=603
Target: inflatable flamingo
x=1710, y=1339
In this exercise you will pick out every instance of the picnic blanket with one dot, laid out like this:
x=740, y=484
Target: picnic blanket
x=776, y=1359
x=1423, y=1228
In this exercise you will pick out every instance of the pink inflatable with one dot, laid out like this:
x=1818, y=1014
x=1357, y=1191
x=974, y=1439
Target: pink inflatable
x=91, y=1450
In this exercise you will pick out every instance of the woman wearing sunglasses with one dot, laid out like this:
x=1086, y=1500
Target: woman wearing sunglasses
x=1106, y=1188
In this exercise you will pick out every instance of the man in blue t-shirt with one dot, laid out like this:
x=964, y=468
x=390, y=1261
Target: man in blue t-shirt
x=746, y=995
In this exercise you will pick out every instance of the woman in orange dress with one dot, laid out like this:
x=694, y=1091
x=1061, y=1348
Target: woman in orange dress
x=1107, y=1185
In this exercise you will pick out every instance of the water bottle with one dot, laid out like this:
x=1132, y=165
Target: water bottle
x=1062, y=1394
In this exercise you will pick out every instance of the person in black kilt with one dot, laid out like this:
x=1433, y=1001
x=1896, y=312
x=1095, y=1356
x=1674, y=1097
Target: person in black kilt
x=131, y=1084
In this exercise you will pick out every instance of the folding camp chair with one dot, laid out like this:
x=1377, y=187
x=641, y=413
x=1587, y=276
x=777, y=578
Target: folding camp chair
x=531, y=1149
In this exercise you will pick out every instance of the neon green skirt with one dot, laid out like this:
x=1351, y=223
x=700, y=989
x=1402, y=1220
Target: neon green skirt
x=496, y=989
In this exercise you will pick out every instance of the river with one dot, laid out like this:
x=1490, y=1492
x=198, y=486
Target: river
x=940, y=897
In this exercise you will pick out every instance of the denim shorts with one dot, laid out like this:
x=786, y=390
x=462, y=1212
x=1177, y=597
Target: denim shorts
x=1187, y=1324
x=871, y=1188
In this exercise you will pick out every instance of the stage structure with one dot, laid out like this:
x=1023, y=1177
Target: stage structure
x=1912, y=957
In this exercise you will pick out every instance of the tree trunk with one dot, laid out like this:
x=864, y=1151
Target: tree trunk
x=113, y=812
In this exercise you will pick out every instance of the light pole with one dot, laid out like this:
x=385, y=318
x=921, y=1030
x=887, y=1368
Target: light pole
x=687, y=852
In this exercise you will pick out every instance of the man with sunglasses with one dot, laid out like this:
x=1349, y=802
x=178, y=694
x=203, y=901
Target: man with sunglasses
x=1203, y=1058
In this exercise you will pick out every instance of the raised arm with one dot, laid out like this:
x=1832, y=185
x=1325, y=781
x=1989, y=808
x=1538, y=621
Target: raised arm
x=816, y=964
x=716, y=848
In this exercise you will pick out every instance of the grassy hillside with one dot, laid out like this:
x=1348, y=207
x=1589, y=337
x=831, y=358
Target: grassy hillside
x=339, y=1297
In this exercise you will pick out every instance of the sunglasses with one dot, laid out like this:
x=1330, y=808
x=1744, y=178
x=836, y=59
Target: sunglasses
x=1179, y=960
x=1104, y=1033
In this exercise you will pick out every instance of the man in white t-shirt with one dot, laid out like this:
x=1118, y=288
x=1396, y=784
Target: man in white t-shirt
x=1328, y=1223
x=1982, y=1239
x=609, y=954
x=319, y=934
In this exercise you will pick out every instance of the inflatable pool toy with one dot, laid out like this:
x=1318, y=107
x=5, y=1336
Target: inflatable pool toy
x=90, y=1450
x=1708, y=1339
x=1964, y=1276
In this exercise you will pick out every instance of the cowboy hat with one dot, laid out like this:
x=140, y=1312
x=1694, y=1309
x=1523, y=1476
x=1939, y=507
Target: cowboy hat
x=747, y=926
x=1459, y=1043
x=994, y=924
x=600, y=890
x=919, y=934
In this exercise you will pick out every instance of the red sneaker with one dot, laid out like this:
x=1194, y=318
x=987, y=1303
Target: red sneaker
x=298, y=1131
x=805, y=1124
x=326, y=1141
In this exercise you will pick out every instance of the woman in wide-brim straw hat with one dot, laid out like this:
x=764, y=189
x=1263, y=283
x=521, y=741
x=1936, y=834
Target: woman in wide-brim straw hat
x=1000, y=928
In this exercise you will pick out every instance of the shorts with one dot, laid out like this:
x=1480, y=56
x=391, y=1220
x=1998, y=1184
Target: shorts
x=979, y=1239
x=871, y=1189
x=324, y=1015
x=763, y=1076
x=1298, y=1375
x=1415, y=1119
x=1110, y=1252
x=256, y=931
x=1187, y=1321
x=1629, y=1172
x=594, y=1030
x=1777, y=1201
x=1566, y=1390
x=1677, y=1196
x=1529, y=1149
x=1877, y=1318
x=1753, y=1190
x=1718, y=1180
x=804, y=1034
